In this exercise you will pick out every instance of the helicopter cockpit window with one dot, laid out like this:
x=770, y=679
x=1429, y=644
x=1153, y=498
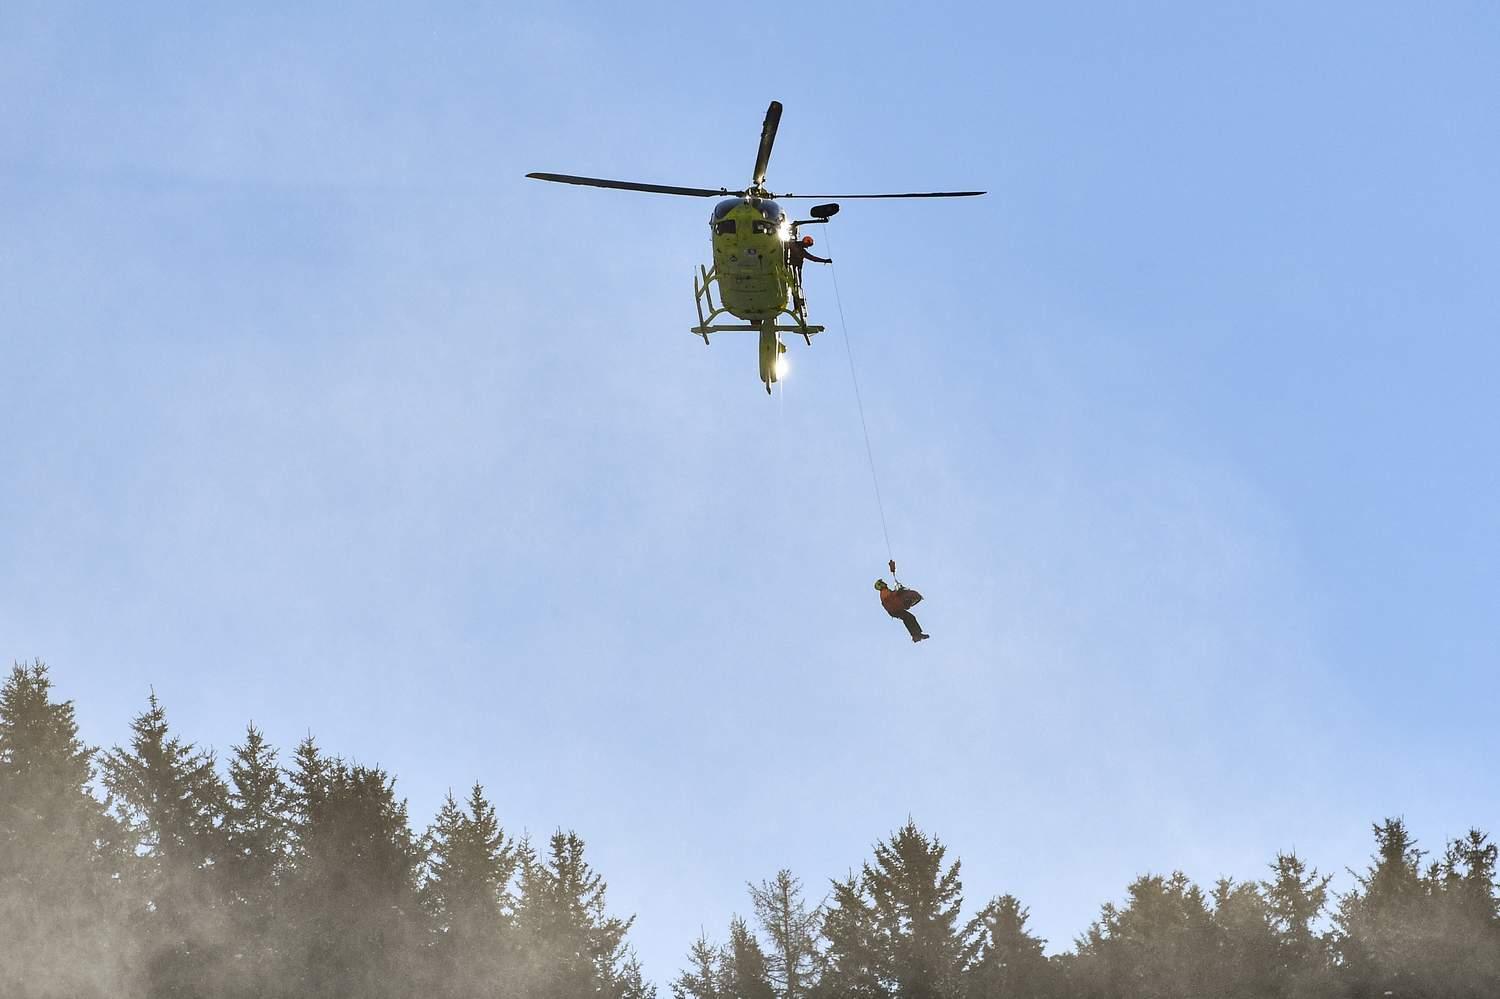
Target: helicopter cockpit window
x=762, y=227
x=726, y=206
x=770, y=210
x=726, y=227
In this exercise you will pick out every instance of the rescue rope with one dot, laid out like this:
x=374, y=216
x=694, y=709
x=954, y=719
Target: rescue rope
x=858, y=402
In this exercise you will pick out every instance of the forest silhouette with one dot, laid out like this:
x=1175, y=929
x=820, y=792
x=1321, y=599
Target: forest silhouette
x=150, y=870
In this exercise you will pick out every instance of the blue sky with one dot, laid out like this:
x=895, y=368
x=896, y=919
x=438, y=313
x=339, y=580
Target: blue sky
x=318, y=414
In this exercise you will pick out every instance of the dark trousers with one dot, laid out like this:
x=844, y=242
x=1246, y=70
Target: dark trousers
x=910, y=620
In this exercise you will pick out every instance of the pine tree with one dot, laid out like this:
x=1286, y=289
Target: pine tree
x=301, y=908
x=170, y=796
x=704, y=977
x=309, y=789
x=1295, y=899
x=62, y=911
x=574, y=947
x=1246, y=961
x=630, y=983
x=1468, y=873
x=916, y=906
x=792, y=930
x=1162, y=943
x=355, y=924
x=1382, y=927
x=256, y=836
x=256, y=824
x=850, y=965
x=1009, y=963
x=1466, y=931
x=466, y=893
x=1415, y=932
x=747, y=975
x=895, y=931
x=735, y=971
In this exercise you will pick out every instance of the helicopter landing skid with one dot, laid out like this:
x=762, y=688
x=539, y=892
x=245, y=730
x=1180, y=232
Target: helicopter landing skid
x=703, y=295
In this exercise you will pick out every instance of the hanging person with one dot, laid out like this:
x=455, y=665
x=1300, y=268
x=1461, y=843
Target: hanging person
x=796, y=253
x=898, y=604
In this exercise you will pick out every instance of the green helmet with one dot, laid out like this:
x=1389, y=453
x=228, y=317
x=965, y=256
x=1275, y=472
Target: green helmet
x=880, y=585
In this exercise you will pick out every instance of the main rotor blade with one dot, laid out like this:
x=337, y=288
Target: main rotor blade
x=845, y=197
x=767, y=140
x=625, y=185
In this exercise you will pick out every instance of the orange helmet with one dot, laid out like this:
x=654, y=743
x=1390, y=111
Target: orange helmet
x=807, y=241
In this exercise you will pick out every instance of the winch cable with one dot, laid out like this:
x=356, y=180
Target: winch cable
x=859, y=403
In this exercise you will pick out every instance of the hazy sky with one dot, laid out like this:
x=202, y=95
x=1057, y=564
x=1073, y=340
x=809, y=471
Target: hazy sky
x=319, y=414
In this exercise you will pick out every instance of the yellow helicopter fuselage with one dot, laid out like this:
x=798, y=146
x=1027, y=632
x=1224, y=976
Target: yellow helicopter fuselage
x=750, y=237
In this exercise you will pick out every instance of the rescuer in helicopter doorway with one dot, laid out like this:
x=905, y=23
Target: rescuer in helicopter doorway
x=898, y=604
x=796, y=253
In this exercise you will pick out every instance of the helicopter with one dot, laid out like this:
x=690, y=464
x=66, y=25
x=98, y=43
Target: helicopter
x=752, y=260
